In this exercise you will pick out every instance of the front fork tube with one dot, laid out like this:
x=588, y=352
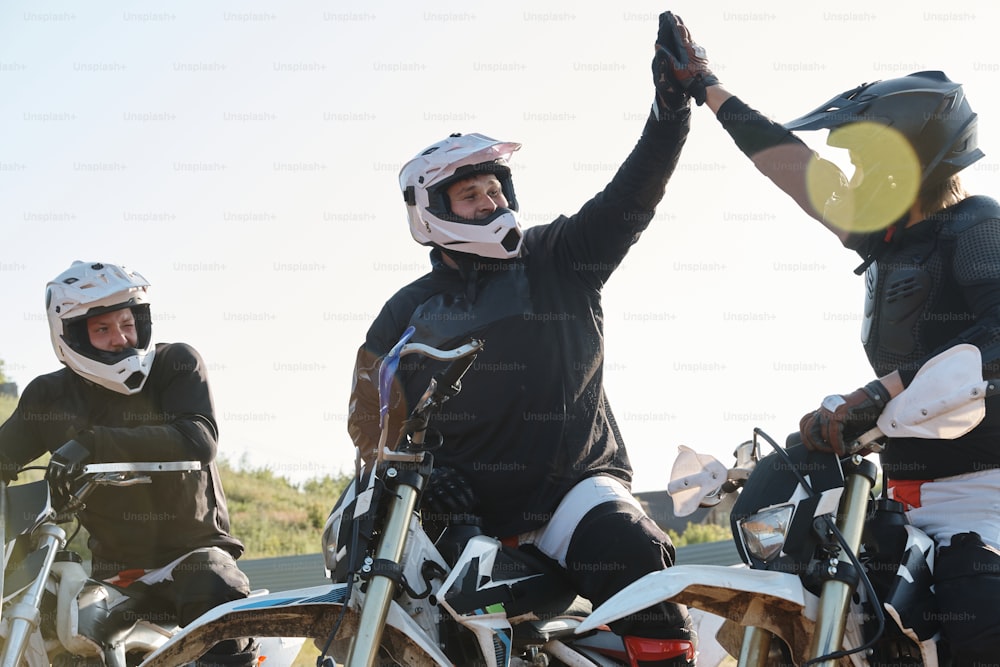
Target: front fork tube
x=835, y=596
x=25, y=615
x=756, y=647
x=382, y=589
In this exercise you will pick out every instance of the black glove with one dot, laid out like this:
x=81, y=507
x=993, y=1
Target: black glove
x=448, y=493
x=65, y=468
x=680, y=65
x=842, y=418
x=669, y=94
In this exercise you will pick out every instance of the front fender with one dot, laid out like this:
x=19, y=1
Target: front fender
x=306, y=612
x=775, y=601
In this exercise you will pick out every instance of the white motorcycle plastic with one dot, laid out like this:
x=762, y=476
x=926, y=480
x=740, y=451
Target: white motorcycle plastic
x=835, y=577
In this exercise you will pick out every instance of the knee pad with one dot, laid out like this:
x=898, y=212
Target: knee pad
x=620, y=534
x=613, y=545
x=967, y=587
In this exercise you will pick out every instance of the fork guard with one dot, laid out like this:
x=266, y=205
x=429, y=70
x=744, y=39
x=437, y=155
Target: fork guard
x=305, y=612
x=774, y=601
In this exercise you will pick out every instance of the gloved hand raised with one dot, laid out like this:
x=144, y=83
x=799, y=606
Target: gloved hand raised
x=842, y=418
x=680, y=67
x=65, y=468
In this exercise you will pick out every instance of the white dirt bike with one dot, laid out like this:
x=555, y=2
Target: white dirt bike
x=53, y=613
x=399, y=597
x=834, y=576
x=462, y=599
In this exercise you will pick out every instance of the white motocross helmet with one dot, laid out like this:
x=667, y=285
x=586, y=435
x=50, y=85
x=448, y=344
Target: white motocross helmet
x=92, y=288
x=425, y=180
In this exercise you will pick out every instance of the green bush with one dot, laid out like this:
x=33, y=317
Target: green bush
x=698, y=533
x=273, y=516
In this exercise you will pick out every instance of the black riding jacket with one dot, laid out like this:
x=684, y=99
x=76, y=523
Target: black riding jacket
x=171, y=419
x=929, y=287
x=532, y=418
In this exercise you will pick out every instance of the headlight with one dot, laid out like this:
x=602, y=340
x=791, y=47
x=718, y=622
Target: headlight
x=764, y=532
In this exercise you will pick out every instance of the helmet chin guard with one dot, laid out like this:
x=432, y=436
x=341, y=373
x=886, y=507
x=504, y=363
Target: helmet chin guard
x=426, y=178
x=87, y=289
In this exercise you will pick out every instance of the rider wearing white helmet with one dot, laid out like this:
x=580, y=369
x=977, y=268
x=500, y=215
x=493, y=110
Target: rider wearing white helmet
x=427, y=178
x=87, y=290
x=530, y=445
x=120, y=397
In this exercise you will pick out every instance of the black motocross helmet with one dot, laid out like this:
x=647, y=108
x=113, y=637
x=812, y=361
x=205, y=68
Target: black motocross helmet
x=927, y=108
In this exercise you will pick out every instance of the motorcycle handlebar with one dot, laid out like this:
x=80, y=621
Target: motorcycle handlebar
x=446, y=383
x=142, y=467
x=442, y=386
x=123, y=474
x=472, y=347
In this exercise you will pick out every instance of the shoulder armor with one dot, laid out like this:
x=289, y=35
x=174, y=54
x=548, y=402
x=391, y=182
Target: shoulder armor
x=973, y=230
x=967, y=214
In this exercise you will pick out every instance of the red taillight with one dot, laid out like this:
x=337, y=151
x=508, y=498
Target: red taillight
x=645, y=649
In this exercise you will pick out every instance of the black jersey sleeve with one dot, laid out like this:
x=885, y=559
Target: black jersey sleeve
x=784, y=158
x=591, y=243
x=180, y=422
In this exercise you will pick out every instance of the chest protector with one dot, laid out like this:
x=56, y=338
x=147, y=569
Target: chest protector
x=914, y=301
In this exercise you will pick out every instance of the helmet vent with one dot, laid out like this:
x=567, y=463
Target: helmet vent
x=511, y=240
x=135, y=380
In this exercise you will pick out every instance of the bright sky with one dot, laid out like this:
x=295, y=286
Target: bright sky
x=243, y=156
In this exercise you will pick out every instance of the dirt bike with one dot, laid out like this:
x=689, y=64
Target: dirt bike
x=53, y=613
x=834, y=576
x=397, y=596
x=463, y=598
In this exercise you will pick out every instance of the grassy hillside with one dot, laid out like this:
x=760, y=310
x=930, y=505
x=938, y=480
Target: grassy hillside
x=274, y=517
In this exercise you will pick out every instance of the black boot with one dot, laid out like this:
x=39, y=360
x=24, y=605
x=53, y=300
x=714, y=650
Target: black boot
x=245, y=658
